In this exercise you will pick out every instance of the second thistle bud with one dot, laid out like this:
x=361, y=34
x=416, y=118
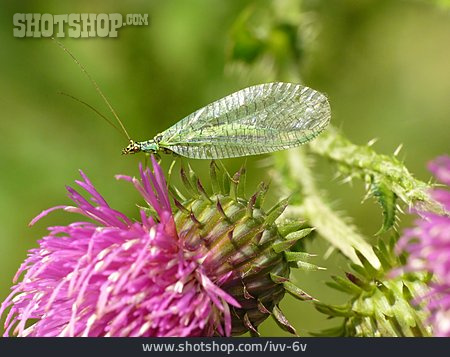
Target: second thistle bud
x=240, y=245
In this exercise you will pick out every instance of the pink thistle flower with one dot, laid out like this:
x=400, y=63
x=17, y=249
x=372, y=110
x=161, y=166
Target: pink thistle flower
x=117, y=277
x=428, y=245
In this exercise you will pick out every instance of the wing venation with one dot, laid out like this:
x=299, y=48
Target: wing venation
x=255, y=120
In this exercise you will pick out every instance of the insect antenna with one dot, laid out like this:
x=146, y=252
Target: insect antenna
x=95, y=110
x=94, y=83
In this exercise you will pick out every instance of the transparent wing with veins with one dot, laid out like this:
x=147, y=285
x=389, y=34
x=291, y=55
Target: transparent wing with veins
x=255, y=120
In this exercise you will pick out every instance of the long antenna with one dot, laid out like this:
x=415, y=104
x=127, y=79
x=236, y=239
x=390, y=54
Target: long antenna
x=95, y=110
x=94, y=83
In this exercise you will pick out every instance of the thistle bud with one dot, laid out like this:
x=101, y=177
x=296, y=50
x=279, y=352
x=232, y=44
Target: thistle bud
x=241, y=246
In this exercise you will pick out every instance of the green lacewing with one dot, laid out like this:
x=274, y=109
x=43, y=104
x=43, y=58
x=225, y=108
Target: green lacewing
x=256, y=120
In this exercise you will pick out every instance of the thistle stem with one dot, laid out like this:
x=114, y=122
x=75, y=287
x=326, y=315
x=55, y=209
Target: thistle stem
x=311, y=206
x=363, y=162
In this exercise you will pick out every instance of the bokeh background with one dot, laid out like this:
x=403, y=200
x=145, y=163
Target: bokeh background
x=384, y=65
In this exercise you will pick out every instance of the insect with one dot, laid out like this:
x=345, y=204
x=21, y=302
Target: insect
x=256, y=120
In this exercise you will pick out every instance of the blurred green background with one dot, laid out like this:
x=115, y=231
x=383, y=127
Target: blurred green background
x=385, y=66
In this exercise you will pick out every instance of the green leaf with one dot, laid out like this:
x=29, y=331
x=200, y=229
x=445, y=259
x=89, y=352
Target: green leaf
x=297, y=256
x=334, y=310
x=288, y=227
x=388, y=200
x=188, y=185
x=360, y=271
x=306, y=266
x=291, y=239
x=346, y=285
x=371, y=272
x=278, y=279
x=276, y=212
x=296, y=292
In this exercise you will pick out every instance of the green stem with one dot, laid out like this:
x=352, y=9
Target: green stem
x=363, y=162
x=312, y=207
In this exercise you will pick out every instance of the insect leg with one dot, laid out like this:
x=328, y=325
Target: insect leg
x=169, y=173
x=146, y=155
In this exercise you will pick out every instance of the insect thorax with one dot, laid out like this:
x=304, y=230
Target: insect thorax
x=150, y=146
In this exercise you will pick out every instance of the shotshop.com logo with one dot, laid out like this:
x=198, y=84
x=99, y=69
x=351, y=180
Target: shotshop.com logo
x=74, y=25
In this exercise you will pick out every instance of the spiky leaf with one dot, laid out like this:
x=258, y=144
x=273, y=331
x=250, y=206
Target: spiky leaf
x=388, y=200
